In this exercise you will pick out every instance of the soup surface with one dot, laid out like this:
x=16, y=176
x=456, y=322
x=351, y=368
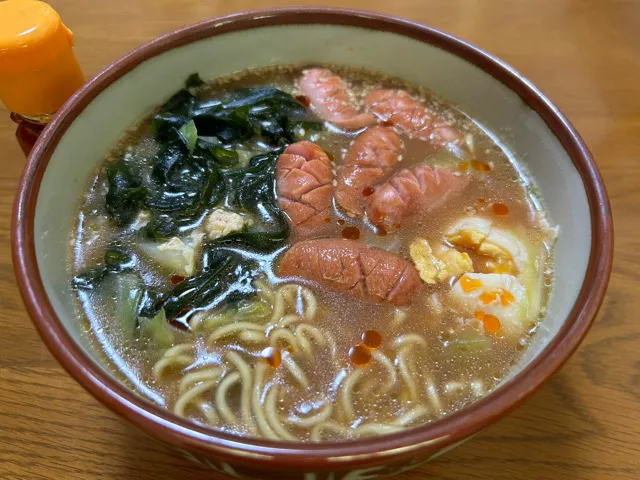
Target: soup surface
x=311, y=254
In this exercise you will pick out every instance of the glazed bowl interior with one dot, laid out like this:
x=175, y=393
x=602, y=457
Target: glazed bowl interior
x=130, y=95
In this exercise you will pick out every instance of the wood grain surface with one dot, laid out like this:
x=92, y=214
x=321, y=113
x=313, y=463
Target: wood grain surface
x=585, y=424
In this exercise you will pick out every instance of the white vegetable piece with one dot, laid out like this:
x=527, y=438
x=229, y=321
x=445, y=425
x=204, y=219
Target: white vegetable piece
x=220, y=223
x=501, y=295
x=177, y=255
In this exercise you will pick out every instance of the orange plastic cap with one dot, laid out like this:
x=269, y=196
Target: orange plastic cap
x=38, y=69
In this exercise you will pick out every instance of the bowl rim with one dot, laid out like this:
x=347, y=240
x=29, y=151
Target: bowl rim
x=426, y=438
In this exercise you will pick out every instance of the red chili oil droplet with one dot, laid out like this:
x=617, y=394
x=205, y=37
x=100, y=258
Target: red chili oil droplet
x=480, y=166
x=327, y=220
x=387, y=123
x=332, y=159
x=272, y=356
x=366, y=191
x=500, y=209
x=381, y=231
x=462, y=166
x=304, y=100
x=176, y=278
x=372, y=339
x=481, y=200
x=351, y=233
x=396, y=225
x=340, y=221
x=359, y=354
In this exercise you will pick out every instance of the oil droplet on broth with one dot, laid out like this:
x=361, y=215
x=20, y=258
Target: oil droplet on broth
x=372, y=339
x=351, y=233
x=480, y=166
x=367, y=191
x=272, y=356
x=359, y=355
x=500, y=209
x=176, y=278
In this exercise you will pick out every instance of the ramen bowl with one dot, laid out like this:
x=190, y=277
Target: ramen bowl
x=489, y=91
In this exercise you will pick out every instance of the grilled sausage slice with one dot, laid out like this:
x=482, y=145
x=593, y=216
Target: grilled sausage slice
x=330, y=100
x=407, y=191
x=370, y=161
x=409, y=115
x=351, y=266
x=304, y=177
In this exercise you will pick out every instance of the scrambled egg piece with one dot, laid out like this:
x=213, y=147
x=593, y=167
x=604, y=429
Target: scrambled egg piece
x=221, y=223
x=180, y=256
x=438, y=266
x=508, y=254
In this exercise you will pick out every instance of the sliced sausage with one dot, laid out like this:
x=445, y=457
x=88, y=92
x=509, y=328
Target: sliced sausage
x=403, y=111
x=303, y=181
x=351, y=266
x=370, y=161
x=407, y=191
x=329, y=97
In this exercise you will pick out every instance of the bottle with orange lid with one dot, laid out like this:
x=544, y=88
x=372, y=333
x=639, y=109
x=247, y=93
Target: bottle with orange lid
x=38, y=68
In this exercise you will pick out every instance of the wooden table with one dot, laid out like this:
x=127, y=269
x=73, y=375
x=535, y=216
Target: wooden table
x=585, y=424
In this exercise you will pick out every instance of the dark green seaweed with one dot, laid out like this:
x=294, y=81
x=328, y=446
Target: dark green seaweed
x=226, y=278
x=194, y=170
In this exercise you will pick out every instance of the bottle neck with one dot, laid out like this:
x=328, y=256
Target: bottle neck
x=29, y=129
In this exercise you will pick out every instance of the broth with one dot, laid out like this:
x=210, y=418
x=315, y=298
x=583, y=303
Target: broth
x=297, y=360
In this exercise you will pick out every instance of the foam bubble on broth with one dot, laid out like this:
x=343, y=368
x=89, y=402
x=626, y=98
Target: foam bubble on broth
x=421, y=371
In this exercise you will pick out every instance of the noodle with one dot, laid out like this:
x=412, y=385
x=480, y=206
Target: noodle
x=209, y=412
x=432, y=393
x=292, y=294
x=411, y=416
x=382, y=359
x=406, y=375
x=258, y=411
x=246, y=376
x=272, y=414
x=221, y=397
x=405, y=343
x=234, y=328
x=178, y=361
x=306, y=422
x=174, y=357
x=278, y=306
x=347, y=393
x=282, y=334
x=295, y=370
x=302, y=331
x=192, y=378
x=289, y=319
x=252, y=336
x=369, y=429
x=185, y=399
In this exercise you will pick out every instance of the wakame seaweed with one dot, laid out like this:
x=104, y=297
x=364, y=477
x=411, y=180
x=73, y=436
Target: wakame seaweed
x=198, y=141
x=225, y=278
x=254, y=190
x=196, y=168
x=116, y=260
x=125, y=195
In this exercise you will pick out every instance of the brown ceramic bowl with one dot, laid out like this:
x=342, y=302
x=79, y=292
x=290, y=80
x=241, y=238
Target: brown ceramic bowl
x=487, y=89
